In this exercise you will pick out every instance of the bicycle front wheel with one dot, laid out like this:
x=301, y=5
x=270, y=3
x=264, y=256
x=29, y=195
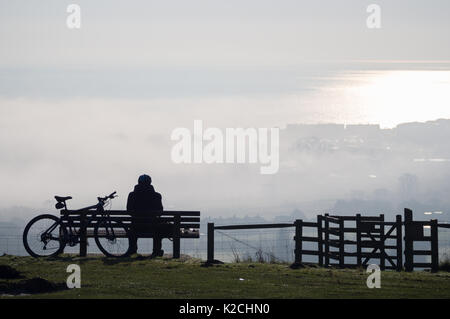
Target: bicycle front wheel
x=44, y=236
x=113, y=238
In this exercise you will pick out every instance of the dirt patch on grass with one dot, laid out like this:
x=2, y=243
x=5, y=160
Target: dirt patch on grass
x=30, y=286
x=7, y=272
x=445, y=266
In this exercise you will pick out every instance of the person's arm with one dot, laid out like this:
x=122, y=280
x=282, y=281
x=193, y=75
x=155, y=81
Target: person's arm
x=130, y=202
x=159, y=201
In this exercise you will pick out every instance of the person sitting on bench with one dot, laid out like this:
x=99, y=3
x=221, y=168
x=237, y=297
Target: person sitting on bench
x=141, y=201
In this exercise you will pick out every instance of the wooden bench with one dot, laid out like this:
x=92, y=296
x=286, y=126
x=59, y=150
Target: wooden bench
x=186, y=224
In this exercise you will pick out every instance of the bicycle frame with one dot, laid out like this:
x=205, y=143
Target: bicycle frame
x=73, y=235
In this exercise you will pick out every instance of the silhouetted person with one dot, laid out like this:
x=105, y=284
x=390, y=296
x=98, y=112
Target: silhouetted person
x=145, y=202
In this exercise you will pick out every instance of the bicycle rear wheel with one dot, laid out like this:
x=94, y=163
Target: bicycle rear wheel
x=113, y=238
x=44, y=236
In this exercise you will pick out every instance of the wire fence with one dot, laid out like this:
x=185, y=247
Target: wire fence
x=268, y=245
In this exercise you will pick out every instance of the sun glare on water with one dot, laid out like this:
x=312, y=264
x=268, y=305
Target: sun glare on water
x=392, y=97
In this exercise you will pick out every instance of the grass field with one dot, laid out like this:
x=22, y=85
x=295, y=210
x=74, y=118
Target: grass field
x=139, y=277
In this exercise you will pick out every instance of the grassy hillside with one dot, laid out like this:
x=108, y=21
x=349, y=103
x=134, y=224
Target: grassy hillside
x=185, y=278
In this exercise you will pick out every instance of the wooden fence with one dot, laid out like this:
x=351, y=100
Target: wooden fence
x=369, y=235
x=362, y=238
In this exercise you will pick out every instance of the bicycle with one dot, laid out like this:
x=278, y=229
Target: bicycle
x=47, y=235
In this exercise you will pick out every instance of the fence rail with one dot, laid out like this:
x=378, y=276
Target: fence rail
x=369, y=238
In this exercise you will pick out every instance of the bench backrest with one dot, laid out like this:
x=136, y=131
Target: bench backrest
x=185, y=219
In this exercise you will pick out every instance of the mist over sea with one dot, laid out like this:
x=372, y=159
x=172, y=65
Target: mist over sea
x=85, y=132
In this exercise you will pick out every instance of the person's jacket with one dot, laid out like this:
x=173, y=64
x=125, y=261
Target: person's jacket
x=143, y=200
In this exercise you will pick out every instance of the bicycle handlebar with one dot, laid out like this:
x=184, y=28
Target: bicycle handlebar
x=110, y=196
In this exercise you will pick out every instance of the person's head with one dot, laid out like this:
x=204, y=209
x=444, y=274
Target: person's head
x=144, y=180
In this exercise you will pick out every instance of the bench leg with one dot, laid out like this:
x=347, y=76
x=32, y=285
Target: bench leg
x=83, y=236
x=176, y=247
x=176, y=237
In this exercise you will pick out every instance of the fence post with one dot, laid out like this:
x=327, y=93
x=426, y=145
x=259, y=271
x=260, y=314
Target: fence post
x=382, y=244
x=358, y=241
x=327, y=241
x=408, y=241
x=341, y=243
x=176, y=237
x=83, y=233
x=319, y=240
x=298, y=240
x=399, y=242
x=434, y=246
x=210, y=258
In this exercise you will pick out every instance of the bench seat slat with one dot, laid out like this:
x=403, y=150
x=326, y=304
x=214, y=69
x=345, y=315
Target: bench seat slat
x=138, y=219
x=121, y=234
x=124, y=212
x=93, y=223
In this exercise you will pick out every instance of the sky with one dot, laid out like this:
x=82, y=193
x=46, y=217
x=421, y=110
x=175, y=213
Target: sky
x=85, y=111
x=201, y=33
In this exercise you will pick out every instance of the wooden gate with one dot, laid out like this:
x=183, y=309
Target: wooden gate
x=367, y=238
x=382, y=239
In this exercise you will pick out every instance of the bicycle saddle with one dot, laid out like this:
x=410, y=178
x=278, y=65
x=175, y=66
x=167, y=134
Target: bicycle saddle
x=60, y=199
